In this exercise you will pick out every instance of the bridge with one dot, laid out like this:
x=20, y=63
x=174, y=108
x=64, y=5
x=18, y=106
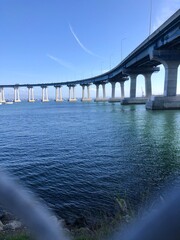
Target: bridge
x=161, y=47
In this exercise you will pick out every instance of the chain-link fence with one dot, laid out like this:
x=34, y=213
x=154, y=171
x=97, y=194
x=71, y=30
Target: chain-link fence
x=163, y=223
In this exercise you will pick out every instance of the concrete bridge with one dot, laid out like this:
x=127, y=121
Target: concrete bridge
x=161, y=47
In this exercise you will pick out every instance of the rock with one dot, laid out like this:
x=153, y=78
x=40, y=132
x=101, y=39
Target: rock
x=6, y=218
x=122, y=205
x=13, y=225
x=127, y=218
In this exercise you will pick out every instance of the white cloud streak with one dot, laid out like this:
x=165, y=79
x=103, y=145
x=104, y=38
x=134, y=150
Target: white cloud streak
x=80, y=43
x=60, y=62
x=168, y=8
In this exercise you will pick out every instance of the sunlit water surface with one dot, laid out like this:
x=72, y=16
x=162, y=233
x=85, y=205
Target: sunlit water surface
x=79, y=157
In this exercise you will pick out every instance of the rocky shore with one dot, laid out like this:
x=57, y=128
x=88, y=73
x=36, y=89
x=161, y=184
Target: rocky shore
x=8, y=222
x=81, y=227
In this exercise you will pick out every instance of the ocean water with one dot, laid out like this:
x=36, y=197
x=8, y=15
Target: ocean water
x=78, y=157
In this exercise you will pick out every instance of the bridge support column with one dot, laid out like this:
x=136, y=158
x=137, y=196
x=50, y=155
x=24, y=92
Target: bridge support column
x=58, y=93
x=133, y=85
x=118, y=79
x=104, y=91
x=88, y=98
x=72, y=97
x=97, y=92
x=113, y=84
x=31, y=94
x=83, y=87
x=133, y=99
x=102, y=99
x=2, y=97
x=133, y=73
x=113, y=91
x=170, y=82
x=169, y=100
x=88, y=93
x=148, y=87
x=69, y=93
x=45, y=94
x=122, y=89
x=16, y=94
x=73, y=92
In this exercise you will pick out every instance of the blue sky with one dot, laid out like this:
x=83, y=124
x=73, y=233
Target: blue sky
x=64, y=40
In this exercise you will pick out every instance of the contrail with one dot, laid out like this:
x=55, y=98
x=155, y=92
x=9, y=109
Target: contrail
x=60, y=61
x=80, y=44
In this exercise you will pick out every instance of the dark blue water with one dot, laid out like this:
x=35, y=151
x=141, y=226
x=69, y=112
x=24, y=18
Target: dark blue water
x=78, y=157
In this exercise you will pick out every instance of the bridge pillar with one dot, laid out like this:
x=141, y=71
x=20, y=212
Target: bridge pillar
x=31, y=94
x=88, y=93
x=73, y=92
x=104, y=90
x=133, y=99
x=83, y=87
x=16, y=94
x=58, y=94
x=170, y=59
x=122, y=89
x=102, y=99
x=148, y=87
x=69, y=93
x=133, y=73
x=97, y=92
x=2, y=96
x=88, y=98
x=45, y=94
x=170, y=83
x=118, y=79
x=113, y=93
x=72, y=97
x=113, y=84
x=133, y=85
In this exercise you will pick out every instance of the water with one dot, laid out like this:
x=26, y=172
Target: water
x=78, y=157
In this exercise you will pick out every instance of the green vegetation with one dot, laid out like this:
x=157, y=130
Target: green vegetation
x=97, y=231
x=14, y=236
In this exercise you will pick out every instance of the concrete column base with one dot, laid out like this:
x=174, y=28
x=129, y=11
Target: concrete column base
x=8, y=102
x=136, y=100
x=114, y=99
x=86, y=99
x=101, y=100
x=163, y=103
x=16, y=101
x=59, y=100
x=46, y=100
x=31, y=100
x=72, y=100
